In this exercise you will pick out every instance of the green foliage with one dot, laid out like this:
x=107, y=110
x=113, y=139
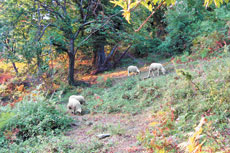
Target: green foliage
x=35, y=117
x=192, y=29
x=5, y=117
x=128, y=5
x=145, y=46
x=181, y=21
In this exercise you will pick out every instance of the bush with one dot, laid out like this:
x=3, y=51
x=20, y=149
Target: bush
x=32, y=118
x=192, y=29
x=181, y=23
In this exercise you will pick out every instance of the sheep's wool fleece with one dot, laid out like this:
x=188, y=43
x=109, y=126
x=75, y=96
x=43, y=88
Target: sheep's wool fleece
x=74, y=104
x=80, y=98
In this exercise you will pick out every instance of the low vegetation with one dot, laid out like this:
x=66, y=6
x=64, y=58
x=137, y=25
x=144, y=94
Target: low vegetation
x=31, y=121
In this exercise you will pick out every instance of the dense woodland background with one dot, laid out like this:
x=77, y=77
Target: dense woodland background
x=51, y=49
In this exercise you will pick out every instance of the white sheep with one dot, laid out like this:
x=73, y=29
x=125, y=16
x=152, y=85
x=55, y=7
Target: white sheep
x=156, y=67
x=74, y=106
x=80, y=98
x=133, y=69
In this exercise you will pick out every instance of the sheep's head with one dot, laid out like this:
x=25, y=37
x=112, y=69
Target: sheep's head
x=71, y=110
x=79, y=110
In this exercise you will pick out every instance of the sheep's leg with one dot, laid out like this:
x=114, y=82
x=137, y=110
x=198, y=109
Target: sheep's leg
x=148, y=74
x=158, y=72
x=153, y=73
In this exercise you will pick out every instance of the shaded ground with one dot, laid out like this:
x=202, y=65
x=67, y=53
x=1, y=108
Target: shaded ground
x=123, y=128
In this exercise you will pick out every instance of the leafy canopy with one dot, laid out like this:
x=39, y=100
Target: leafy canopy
x=129, y=5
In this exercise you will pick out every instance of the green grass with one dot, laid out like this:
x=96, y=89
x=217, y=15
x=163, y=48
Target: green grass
x=130, y=96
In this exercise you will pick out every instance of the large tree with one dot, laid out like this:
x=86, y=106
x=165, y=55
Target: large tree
x=22, y=27
x=73, y=23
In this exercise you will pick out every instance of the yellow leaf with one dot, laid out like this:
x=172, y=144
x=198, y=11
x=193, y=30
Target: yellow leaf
x=217, y=3
x=155, y=2
x=120, y=3
x=133, y=4
x=148, y=6
x=126, y=14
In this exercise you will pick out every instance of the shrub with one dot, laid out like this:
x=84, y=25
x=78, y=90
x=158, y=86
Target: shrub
x=33, y=117
x=181, y=23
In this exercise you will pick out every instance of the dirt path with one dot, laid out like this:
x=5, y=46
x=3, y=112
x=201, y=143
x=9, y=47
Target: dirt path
x=124, y=129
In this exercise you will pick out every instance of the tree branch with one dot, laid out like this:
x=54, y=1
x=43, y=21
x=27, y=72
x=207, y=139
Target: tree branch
x=50, y=10
x=81, y=9
x=123, y=54
x=62, y=6
x=110, y=54
x=88, y=8
x=96, y=30
x=149, y=16
x=80, y=28
x=60, y=47
x=43, y=31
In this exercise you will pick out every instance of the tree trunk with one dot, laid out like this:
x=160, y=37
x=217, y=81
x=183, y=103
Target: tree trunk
x=71, y=63
x=39, y=63
x=100, y=56
x=15, y=68
x=103, y=62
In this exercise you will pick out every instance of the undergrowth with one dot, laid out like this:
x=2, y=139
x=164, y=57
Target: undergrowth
x=30, y=120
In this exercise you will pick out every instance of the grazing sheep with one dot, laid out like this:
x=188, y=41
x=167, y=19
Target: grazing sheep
x=133, y=69
x=156, y=66
x=74, y=106
x=80, y=98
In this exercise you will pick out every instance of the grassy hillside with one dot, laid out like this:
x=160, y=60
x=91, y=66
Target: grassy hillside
x=177, y=102
x=187, y=93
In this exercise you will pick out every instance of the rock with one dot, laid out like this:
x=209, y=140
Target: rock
x=76, y=124
x=102, y=136
x=88, y=123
